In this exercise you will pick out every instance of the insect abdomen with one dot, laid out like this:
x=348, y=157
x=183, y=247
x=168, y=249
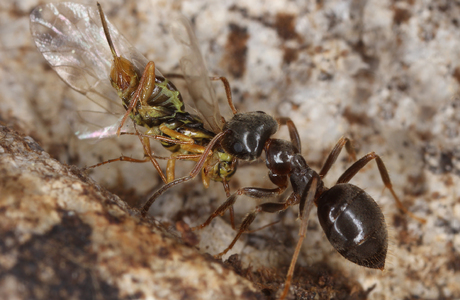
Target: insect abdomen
x=354, y=225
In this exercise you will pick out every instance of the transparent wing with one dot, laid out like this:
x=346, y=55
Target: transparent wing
x=71, y=38
x=87, y=125
x=196, y=74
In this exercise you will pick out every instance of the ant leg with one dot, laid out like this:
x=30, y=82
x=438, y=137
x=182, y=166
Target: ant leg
x=228, y=91
x=191, y=175
x=253, y=192
x=230, y=210
x=228, y=204
x=206, y=179
x=226, y=187
x=332, y=157
x=304, y=216
x=263, y=227
x=353, y=169
x=293, y=133
x=270, y=207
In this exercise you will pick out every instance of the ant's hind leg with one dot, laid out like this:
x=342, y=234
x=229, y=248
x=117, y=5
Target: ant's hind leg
x=332, y=157
x=358, y=165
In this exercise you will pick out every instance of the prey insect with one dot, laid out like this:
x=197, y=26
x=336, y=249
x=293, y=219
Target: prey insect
x=96, y=60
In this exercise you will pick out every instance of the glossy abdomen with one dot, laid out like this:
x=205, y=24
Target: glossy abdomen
x=354, y=225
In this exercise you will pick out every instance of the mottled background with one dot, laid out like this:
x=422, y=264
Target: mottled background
x=384, y=73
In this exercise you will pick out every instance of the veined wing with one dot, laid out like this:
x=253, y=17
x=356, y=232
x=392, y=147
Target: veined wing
x=196, y=74
x=87, y=125
x=71, y=38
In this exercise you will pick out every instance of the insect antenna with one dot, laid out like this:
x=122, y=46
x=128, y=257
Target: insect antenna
x=106, y=30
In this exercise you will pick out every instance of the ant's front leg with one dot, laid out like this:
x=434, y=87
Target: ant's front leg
x=270, y=207
x=293, y=133
x=253, y=192
x=195, y=171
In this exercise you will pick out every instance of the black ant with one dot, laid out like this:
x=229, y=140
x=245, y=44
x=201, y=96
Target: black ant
x=351, y=219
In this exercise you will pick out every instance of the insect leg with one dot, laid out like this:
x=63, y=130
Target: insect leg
x=332, y=157
x=121, y=158
x=228, y=91
x=148, y=152
x=281, y=181
x=171, y=167
x=174, y=134
x=293, y=133
x=191, y=175
x=158, y=137
x=358, y=165
x=270, y=207
x=143, y=91
x=177, y=155
x=225, y=82
x=304, y=216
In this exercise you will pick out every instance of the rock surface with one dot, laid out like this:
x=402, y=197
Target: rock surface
x=63, y=236
x=385, y=73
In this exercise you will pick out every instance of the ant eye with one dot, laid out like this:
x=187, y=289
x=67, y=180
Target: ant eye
x=238, y=147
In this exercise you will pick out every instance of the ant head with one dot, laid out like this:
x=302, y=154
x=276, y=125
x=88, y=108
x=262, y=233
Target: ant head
x=248, y=134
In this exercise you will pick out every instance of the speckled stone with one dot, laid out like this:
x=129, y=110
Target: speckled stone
x=63, y=236
x=385, y=74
